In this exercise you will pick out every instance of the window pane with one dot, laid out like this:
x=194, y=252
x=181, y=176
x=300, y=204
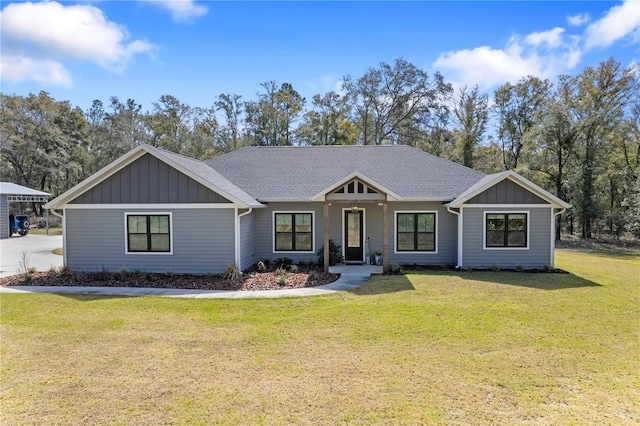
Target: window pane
x=517, y=239
x=284, y=241
x=405, y=241
x=138, y=242
x=137, y=224
x=495, y=238
x=303, y=223
x=426, y=241
x=159, y=224
x=303, y=242
x=517, y=222
x=160, y=242
x=495, y=222
x=405, y=222
x=284, y=223
x=426, y=222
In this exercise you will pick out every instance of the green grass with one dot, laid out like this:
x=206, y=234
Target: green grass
x=56, y=230
x=426, y=348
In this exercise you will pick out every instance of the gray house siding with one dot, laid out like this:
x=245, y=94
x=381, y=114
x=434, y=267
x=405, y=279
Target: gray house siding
x=446, y=235
x=536, y=256
x=264, y=232
x=247, y=241
x=148, y=181
x=373, y=229
x=506, y=192
x=4, y=217
x=203, y=241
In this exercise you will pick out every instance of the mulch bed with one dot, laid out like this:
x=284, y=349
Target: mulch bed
x=268, y=280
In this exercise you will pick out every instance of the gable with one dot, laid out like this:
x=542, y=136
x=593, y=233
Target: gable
x=147, y=180
x=506, y=192
x=356, y=189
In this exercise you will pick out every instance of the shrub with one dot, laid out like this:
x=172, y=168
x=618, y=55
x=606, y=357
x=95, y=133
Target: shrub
x=232, y=273
x=283, y=262
x=335, y=254
x=293, y=268
x=263, y=265
x=495, y=267
x=395, y=269
x=519, y=268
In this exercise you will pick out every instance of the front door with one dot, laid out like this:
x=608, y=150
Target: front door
x=353, y=240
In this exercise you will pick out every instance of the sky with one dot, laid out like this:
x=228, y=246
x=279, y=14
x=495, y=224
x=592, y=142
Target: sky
x=196, y=50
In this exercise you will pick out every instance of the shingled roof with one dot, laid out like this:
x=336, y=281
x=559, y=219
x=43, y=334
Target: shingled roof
x=300, y=173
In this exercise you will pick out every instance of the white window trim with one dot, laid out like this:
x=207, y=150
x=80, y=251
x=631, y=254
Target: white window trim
x=395, y=232
x=484, y=229
x=313, y=231
x=148, y=253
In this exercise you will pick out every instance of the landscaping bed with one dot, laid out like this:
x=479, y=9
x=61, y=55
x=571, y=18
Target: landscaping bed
x=266, y=280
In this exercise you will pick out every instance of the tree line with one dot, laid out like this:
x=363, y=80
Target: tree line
x=578, y=136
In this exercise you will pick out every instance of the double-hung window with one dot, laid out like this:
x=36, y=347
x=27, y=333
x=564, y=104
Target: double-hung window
x=416, y=231
x=506, y=230
x=293, y=231
x=148, y=233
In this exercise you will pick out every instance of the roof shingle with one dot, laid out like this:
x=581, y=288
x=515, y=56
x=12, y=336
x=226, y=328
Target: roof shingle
x=299, y=173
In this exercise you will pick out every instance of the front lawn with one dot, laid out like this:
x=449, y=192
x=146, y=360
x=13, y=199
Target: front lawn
x=426, y=348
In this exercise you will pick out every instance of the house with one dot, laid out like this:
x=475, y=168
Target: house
x=14, y=193
x=154, y=210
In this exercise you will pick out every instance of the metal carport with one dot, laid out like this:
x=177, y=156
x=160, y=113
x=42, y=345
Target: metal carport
x=14, y=193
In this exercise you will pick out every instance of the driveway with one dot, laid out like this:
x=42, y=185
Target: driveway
x=37, y=249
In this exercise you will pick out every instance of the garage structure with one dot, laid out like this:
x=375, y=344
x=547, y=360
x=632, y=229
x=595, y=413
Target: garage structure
x=14, y=193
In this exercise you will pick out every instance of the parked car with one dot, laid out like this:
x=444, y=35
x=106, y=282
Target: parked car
x=19, y=224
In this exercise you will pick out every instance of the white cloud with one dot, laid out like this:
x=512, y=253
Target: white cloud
x=544, y=54
x=550, y=39
x=21, y=68
x=619, y=22
x=181, y=10
x=578, y=20
x=38, y=37
x=489, y=67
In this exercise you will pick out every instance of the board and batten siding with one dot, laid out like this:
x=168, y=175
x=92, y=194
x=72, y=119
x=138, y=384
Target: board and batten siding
x=536, y=256
x=446, y=235
x=148, y=181
x=506, y=192
x=203, y=241
x=247, y=241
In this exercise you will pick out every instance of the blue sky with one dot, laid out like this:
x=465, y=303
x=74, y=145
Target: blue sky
x=195, y=50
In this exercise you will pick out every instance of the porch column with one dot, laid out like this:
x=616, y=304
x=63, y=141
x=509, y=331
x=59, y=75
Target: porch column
x=385, y=238
x=326, y=236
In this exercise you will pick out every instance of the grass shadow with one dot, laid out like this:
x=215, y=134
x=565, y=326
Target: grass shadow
x=540, y=281
x=383, y=284
x=91, y=297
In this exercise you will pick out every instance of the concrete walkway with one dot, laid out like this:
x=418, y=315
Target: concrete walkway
x=353, y=278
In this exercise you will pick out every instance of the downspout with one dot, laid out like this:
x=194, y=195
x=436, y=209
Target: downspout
x=553, y=235
x=459, y=265
x=238, y=240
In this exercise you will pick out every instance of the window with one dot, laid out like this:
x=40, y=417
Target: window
x=506, y=230
x=293, y=231
x=148, y=233
x=416, y=232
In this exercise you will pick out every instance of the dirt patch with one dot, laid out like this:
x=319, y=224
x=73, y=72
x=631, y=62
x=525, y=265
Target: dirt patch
x=268, y=280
